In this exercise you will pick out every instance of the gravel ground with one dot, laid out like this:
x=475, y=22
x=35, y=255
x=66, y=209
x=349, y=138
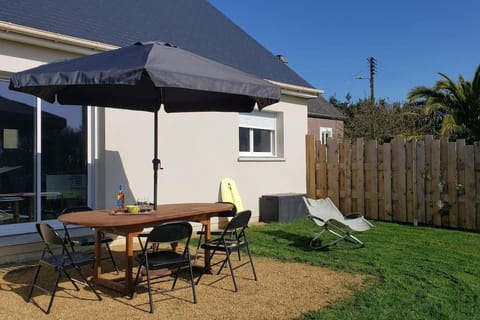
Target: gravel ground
x=283, y=291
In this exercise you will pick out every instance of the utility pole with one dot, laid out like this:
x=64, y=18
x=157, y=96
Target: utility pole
x=372, y=66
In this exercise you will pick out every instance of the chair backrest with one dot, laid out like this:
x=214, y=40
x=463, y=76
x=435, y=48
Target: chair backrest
x=48, y=234
x=76, y=209
x=171, y=232
x=240, y=220
x=323, y=210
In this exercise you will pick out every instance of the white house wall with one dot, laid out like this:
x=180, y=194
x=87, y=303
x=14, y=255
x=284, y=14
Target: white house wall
x=197, y=150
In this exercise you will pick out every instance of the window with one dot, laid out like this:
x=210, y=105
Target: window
x=325, y=133
x=257, y=134
x=43, y=160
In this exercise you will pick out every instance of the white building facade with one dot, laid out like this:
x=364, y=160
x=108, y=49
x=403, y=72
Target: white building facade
x=58, y=156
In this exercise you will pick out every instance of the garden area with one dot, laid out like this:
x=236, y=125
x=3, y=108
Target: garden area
x=403, y=272
x=418, y=272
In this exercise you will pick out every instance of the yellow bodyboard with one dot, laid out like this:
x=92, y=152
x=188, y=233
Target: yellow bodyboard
x=229, y=193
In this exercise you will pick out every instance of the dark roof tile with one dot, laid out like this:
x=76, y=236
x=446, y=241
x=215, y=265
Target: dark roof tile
x=321, y=108
x=193, y=25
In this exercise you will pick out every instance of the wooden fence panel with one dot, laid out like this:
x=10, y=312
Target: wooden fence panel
x=429, y=182
x=419, y=216
x=387, y=181
x=443, y=209
x=462, y=219
x=452, y=186
x=476, y=150
x=311, y=171
x=411, y=189
x=371, y=180
x=333, y=190
x=398, y=180
x=470, y=191
x=321, y=171
x=358, y=178
x=435, y=182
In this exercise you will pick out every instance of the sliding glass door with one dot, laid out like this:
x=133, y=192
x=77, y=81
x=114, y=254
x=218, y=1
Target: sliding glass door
x=43, y=158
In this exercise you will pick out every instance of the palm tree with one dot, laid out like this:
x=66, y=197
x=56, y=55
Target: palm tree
x=458, y=103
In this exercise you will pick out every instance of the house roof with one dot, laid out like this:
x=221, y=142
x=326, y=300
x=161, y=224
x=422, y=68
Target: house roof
x=194, y=25
x=321, y=108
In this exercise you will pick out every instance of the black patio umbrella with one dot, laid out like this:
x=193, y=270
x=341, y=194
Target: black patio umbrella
x=144, y=76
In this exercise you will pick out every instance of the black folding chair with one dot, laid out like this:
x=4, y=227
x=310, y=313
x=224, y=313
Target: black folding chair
x=166, y=258
x=60, y=262
x=201, y=233
x=88, y=241
x=231, y=242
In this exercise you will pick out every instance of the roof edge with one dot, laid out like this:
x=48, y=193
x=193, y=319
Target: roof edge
x=297, y=91
x=326, y=116
x=29, y=35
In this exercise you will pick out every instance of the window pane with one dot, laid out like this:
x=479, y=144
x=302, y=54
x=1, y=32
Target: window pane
x=262, y=140
x=244, y=134
x=64, y=167
x=16, y=156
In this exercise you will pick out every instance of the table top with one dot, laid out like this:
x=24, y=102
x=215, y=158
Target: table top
x=166, y=212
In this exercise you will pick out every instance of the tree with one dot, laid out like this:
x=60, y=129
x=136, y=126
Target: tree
x=457, y=103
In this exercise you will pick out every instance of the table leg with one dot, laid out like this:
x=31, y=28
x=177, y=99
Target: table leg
x=98, y=254
x=129, y=261
x=206, y=224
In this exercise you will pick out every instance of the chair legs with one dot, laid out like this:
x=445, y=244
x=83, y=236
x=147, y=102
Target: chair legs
x=111, y=258
x=55, y=287
x=202, y=231
x=149, y=284
x=227, y=261
x=340, y=234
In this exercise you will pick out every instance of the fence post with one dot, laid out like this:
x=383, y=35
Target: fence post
x=310, y=157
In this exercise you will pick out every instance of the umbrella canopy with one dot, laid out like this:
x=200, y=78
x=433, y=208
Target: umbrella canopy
x=144, y=76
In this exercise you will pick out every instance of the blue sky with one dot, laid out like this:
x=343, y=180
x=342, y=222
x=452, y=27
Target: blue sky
x=328, y=42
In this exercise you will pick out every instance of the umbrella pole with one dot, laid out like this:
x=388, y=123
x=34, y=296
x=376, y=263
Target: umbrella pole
x=155, y=161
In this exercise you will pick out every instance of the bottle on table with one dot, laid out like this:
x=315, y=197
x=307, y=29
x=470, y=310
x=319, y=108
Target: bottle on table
x=120, y=198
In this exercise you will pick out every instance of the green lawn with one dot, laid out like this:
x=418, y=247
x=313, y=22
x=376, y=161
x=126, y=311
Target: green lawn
x=419, y=272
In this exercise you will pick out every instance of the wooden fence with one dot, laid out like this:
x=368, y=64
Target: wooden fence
x=429, y=182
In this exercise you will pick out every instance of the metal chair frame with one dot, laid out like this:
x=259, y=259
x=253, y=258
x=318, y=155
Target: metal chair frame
x=60, y=262
x=89, y=240
x=170, y=232
x=230, y=242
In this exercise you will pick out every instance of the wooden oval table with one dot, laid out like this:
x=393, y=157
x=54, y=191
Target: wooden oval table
x=130, y=225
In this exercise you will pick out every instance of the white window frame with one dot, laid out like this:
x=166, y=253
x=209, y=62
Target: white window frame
x=325, y=133
x=259, y=120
